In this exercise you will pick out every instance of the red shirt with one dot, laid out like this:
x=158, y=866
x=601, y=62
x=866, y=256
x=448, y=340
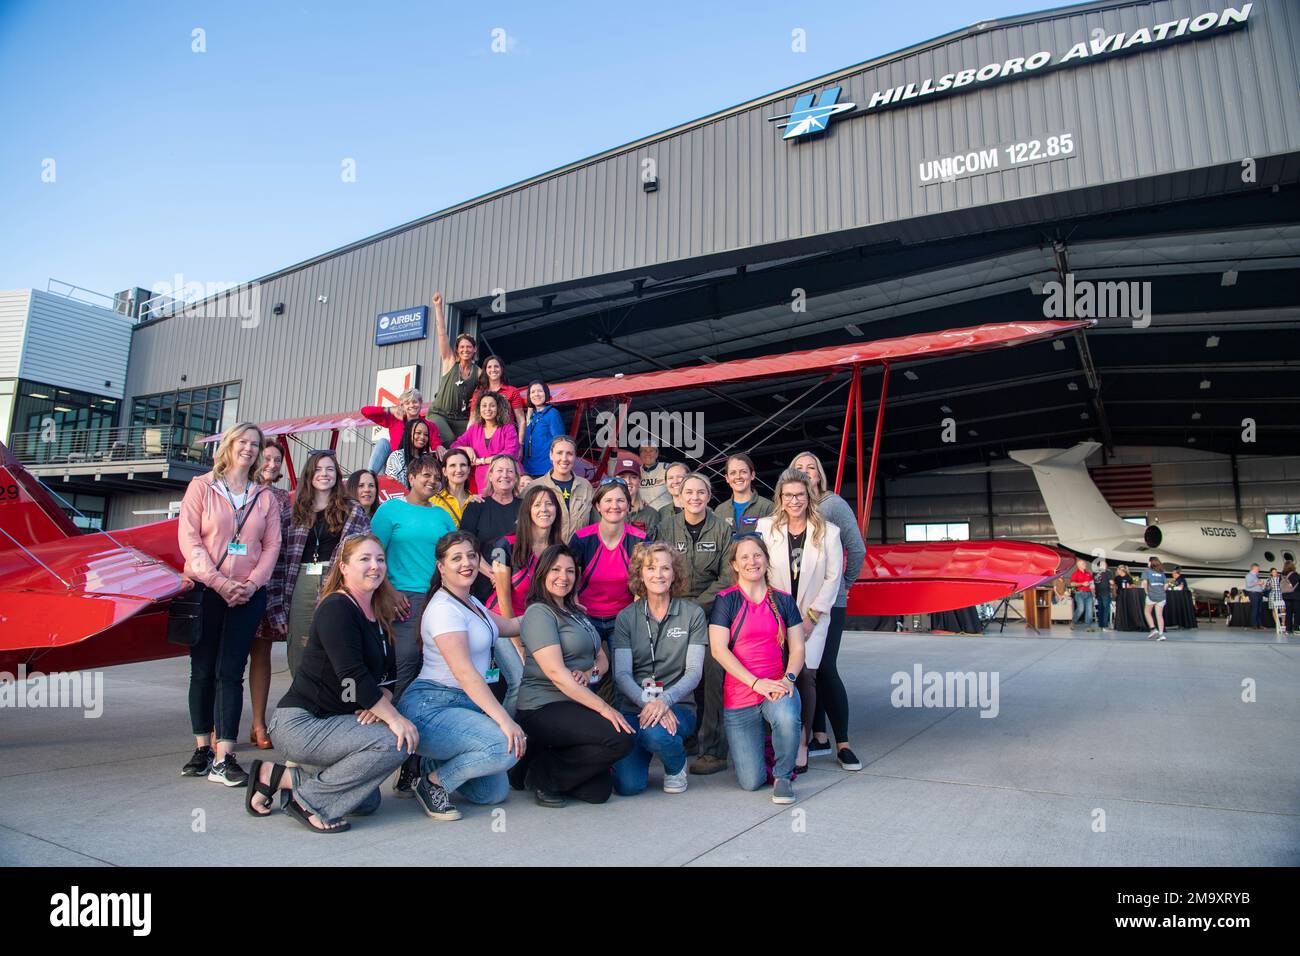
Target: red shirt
x=1082, y=580
x=514, y=398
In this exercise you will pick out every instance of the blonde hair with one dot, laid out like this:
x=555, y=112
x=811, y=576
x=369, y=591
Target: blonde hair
x=780, y=519
x=708, y=485
x=411, y=394
x=821, y=473
x=384, y=602
x=642, y=554
x=224, y=457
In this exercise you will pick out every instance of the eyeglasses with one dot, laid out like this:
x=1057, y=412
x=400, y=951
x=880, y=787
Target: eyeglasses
x=327, y=452
x=793, y=496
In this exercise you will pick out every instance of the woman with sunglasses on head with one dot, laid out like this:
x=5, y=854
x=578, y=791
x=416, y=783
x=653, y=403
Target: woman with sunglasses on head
x=319, y=519
x=409, y=404
x=659, y=645
x=229, y=534
x=745, y=506
x=363, y=488
x=453, y=496
x=807, y=562
x=493, y=379
x=756, y=634
x=493, y=434
x=269, y=471
x=604, y=554
x=541, y=424
x=574, y=737
x=337, y=722
x=415, y=442
x=467, y=739
x=832, y=698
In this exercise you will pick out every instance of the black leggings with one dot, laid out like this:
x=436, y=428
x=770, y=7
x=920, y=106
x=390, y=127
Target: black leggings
x=832, y=698
x=571, y=750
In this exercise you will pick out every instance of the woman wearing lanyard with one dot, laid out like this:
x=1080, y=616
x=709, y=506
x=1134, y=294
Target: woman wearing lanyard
x=229, y=533
x=363, y=488
x=449, y=410
x=320, y=518
x=659, y=645
x=415, y=442
x=259, y=658
x=493, y=379
x=808, y=564
x=604, y=551
x=574, y=737
x=494, y=517
x=468, y=740
x=542, y=423
x=752, y=627
x=832, y=698
x=454, y=494
x=338, y=722
x=493, y=434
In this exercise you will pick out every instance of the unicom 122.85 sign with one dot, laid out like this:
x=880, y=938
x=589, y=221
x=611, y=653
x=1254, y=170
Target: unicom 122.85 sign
x=813, y=112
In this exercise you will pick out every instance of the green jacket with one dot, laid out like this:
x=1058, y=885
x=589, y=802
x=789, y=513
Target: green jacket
x=705, y=560
x=758, y=507
x=647, y=519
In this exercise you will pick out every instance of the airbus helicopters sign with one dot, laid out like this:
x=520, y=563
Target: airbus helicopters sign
x=813, y=115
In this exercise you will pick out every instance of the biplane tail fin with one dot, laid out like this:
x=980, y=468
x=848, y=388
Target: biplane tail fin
x=29, y=513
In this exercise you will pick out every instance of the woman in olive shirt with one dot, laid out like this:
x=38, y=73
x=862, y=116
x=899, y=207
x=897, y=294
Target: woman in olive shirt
x=574, y=737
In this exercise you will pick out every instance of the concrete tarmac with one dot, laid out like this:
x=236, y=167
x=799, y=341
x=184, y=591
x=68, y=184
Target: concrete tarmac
x=1106, y=750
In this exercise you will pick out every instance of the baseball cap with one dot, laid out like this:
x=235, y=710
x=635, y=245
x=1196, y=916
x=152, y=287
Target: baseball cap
x=626, y=463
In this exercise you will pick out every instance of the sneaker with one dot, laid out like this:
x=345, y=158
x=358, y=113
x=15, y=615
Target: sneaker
x=552, y=801
x=1153, y=634
x=676, y=782
x=199, y=764
x=783, y=792
x=435, y=799
x=404, y=786
x=1161, y=637
x=706, y=764
x=1090, y=630
x=228, y=772
x=848, y=759
x=819, y=748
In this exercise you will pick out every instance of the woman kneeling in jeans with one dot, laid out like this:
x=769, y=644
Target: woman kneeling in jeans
x=659, y=643
x=574, y=737
x=336, y=721
x=466, y=737
x=750, y=626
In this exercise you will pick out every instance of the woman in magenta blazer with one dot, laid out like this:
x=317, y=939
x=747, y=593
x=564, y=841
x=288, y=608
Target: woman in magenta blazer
x=493, y=434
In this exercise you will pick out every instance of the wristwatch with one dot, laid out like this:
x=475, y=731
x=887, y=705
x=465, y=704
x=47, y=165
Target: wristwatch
x=791, y=678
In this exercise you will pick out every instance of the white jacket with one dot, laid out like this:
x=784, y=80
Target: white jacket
x=820, y=571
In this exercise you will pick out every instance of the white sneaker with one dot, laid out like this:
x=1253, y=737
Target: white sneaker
x=676, y=782
x=1161, y=637
x=1153, y=633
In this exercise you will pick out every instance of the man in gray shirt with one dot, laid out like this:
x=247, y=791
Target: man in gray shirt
x=1255, y=594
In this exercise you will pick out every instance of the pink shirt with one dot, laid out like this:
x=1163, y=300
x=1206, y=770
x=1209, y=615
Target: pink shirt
x=754, y=633
x=207, y=525
x=602, y=585
x=504, y=441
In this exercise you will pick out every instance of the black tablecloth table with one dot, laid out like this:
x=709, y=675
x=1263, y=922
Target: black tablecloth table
x=1240, y=616
x=1127, y=614
x=965, y=619
x=1180, y=609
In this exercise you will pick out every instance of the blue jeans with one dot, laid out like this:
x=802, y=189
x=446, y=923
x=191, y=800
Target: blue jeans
x=461, y=743
x=632, y=773
x=1103, y=610
x=1082, y=608
x=379, y=457
x=744, y=727
x=1256, y=608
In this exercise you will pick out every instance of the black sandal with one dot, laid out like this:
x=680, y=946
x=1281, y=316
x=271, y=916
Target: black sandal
x=268, y=790
x=299, y=813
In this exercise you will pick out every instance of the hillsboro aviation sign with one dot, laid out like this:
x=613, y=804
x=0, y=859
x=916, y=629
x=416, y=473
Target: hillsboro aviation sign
x=809, y=118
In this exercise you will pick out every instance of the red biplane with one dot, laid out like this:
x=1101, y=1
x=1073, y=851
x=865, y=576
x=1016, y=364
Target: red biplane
x=72, y=600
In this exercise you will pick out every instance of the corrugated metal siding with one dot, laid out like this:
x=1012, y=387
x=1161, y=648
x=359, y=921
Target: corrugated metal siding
x=13, y=329
x=77, y=346
x=732, y=184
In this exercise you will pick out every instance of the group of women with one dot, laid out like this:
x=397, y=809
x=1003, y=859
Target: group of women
x=474, y=639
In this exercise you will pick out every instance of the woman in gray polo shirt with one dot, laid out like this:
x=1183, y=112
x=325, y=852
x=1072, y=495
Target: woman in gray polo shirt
x=574, y=737
x=659, y=642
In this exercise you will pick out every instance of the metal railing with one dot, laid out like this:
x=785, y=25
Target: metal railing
x=77, y=293
x=108, y=446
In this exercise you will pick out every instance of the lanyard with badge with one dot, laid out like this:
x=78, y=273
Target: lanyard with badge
x=493, y=673
x=652, y=687
x=237, y=548
x=585, y=624
x=315, y=567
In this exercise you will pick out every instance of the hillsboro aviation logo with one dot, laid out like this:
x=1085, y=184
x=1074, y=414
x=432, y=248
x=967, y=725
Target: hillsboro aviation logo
x=807, y=118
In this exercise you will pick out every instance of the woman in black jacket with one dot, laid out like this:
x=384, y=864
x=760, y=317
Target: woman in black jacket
x=337, y=721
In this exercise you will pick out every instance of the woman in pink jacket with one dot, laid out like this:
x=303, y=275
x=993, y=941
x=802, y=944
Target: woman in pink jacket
x=230, y=536
x=492, y=434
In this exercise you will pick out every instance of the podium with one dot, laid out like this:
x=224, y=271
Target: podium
x=1038, y=608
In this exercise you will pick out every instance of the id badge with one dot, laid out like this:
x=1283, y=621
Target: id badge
x=651, y=689
x=492, y=676
x=595, y=679
x=315, y=568
x=237, y=548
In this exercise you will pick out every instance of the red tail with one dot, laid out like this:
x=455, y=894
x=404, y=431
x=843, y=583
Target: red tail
x=29, y=515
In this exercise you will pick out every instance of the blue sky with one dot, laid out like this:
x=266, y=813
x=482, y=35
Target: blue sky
x=225, y=165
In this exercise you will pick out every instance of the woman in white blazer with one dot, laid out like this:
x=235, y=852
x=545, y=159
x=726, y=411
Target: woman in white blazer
x=807, y=562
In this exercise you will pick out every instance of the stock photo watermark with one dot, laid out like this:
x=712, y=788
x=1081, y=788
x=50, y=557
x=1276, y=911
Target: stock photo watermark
x=64, y=690
x=946, y=689
x=623, y=429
